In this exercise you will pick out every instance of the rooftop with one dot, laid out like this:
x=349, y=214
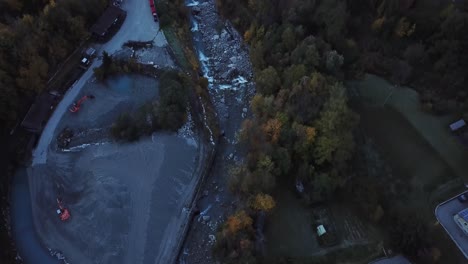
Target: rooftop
x=107, y=19
x=457, y=125
x=38, y=113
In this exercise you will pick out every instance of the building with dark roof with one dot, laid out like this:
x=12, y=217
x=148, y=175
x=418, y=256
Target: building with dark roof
x=38, y=113
x=113, y=16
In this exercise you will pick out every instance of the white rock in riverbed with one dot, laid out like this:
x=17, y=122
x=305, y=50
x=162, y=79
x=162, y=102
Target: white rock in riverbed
x=212, y=238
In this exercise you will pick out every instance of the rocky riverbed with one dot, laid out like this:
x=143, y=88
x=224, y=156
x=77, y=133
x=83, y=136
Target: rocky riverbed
x=225, y=63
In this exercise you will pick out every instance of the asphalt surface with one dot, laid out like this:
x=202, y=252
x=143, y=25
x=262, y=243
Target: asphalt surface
x=444, y=213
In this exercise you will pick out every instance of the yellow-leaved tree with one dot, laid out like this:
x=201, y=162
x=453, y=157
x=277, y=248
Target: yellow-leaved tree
x=263, y=202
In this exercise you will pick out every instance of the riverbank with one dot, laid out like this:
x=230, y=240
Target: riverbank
x=225, y=64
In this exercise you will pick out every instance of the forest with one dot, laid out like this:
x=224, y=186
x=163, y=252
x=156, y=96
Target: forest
x=35, y=37
x=414, y=42
x=303, y=131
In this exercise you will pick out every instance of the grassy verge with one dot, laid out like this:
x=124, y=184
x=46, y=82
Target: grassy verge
x=426, y=162
x=433, y=129
x=68, y=72
x=174, y=21
x=176, y=47
x=354, y=254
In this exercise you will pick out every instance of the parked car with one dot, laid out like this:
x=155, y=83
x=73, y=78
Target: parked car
x=463, y=198
x=88, y=55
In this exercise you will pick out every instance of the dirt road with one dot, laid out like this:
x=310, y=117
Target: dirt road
x=127, y=200
x=139, y=25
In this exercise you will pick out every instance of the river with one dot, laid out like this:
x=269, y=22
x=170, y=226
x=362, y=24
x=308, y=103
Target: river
x=225, y=63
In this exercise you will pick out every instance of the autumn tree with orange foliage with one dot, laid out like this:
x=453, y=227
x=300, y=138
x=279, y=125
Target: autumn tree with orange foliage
x=272, y=128
x=234, y=243
x=236, y=222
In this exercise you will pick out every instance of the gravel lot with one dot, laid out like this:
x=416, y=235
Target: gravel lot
x=127, y=200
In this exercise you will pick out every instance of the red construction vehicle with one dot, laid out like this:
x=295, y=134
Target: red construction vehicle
x=153, y=10
x=76, y=106
x=62, y=211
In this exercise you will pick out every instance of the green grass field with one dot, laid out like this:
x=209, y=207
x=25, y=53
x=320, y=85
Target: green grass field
x=378, y=94
x=290, y=230
x=426, y=160
x=418, y=146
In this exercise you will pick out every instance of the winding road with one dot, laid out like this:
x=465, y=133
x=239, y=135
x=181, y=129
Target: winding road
x=139, y=25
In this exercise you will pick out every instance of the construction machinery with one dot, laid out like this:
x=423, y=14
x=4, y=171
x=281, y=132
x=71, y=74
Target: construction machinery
x=62, y=211
x=76, y=106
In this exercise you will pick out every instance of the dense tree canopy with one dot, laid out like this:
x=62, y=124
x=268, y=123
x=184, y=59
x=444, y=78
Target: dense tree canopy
x=35, y=37
x=302, y=51
x=420, y=43
x=302, y=127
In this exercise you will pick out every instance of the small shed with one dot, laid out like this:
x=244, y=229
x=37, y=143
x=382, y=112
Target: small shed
x=110, y=17
x=38, y=113
x=321, y=230
x=457, y=125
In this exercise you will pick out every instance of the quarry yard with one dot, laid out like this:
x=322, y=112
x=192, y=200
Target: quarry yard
x=128, y=201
